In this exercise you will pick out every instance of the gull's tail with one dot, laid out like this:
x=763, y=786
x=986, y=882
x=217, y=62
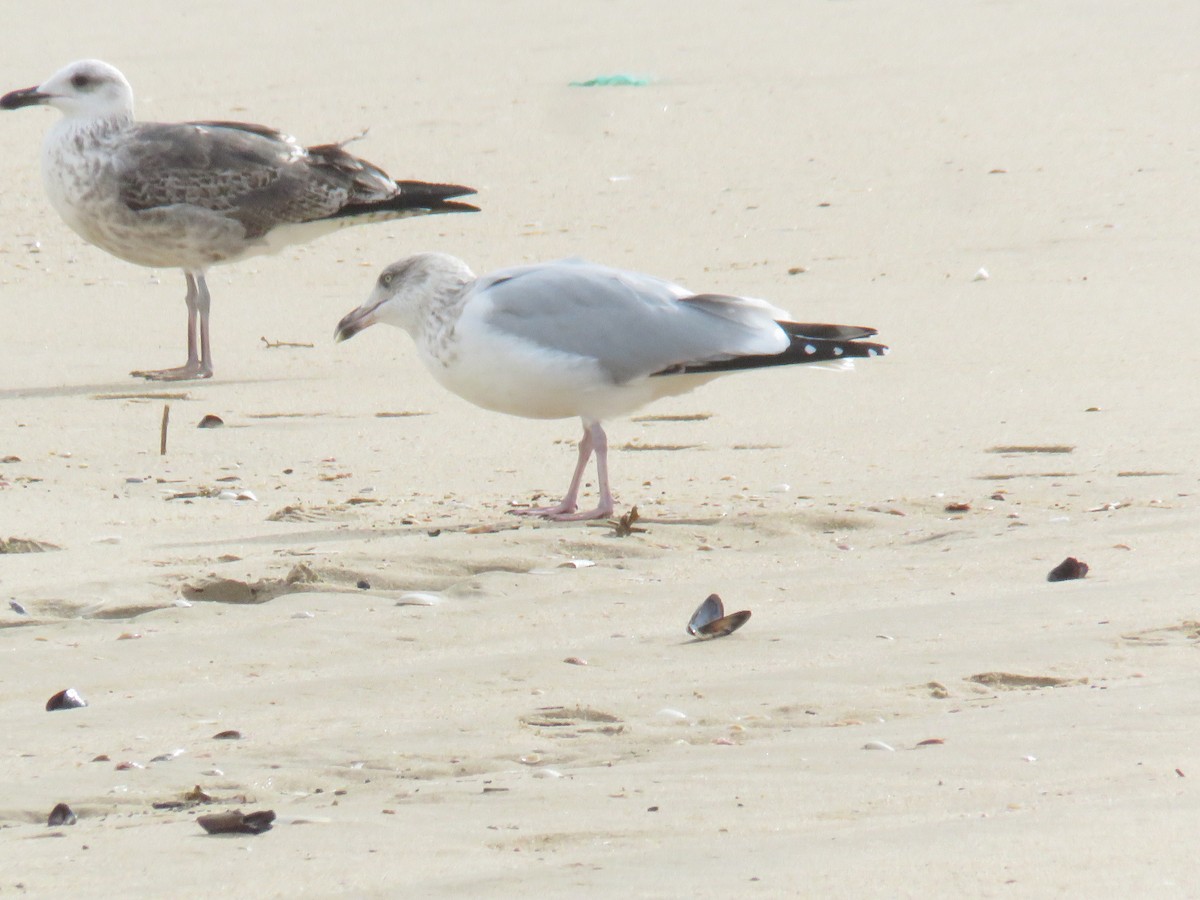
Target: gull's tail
x=810, y=343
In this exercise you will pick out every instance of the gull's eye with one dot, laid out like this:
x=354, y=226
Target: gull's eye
x=386, y=278
x=80, y=81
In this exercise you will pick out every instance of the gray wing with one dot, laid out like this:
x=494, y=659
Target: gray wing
x=633, y=324
x=253, y=174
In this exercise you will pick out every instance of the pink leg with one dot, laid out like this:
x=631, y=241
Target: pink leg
x=199, y=364
x=594, y=440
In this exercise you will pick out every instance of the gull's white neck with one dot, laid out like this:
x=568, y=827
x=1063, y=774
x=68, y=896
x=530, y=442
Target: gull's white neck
x=74, y=151
x=432, y=325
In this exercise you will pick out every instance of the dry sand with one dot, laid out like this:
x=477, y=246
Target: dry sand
x=891, y=149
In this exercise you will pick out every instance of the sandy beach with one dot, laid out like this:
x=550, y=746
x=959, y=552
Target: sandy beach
x=438, y=699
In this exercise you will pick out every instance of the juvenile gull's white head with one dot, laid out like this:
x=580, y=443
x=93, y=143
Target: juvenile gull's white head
x=407, y=292
x=87, y=89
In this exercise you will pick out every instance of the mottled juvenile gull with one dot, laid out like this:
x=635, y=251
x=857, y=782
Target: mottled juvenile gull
x=195, y=194
x=573, y=338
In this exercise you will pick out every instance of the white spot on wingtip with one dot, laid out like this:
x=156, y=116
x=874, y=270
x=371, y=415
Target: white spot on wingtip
x=810, y=349
x=838, y=351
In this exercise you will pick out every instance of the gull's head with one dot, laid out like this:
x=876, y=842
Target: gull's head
x=407, y=291
x=88, y=89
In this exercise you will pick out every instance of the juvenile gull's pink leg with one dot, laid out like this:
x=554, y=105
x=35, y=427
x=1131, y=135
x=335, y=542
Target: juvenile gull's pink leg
x=199, y=364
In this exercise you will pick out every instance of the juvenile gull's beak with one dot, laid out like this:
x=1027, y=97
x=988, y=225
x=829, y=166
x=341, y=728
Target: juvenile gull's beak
x=354, y=322
x=30, y=96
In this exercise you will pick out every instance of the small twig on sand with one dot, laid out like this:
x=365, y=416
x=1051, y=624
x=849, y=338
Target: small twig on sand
x=162, y=437
x=271, y=345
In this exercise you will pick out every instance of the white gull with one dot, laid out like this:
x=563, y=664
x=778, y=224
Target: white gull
x=195, y=194
x=574, y=338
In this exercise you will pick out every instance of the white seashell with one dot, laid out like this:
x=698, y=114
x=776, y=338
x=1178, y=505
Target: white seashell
x=304, y=614
x=676, y=714
x=781, y=488
x=576, y=564
x=418, y=598
x=547, y=773
x=981, y=275
x=1030, y=759
x=181, y=603
x=227, y=495
x=878, y=745
x=247, y=495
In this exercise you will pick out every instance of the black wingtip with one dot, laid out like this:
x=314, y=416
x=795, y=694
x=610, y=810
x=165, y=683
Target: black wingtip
x=415, y=198
x=427, y=189
x=802, y=350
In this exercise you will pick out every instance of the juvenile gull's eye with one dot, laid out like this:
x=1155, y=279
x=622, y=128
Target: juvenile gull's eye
x=386, y=278
x=80, y=81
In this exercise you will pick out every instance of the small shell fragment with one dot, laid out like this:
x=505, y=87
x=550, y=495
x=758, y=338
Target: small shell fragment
x=68, y=699
x=418, y=598
x=237, y=822
x=575, y=661
x=576, y=564
x=18, y=608
x=981, y=275
x=61, y=815
x=878, y=745
x=228, y=735
x=211, y=421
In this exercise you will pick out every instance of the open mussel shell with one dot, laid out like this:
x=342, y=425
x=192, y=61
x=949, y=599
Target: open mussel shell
x=709, y=619
x=726, y=624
